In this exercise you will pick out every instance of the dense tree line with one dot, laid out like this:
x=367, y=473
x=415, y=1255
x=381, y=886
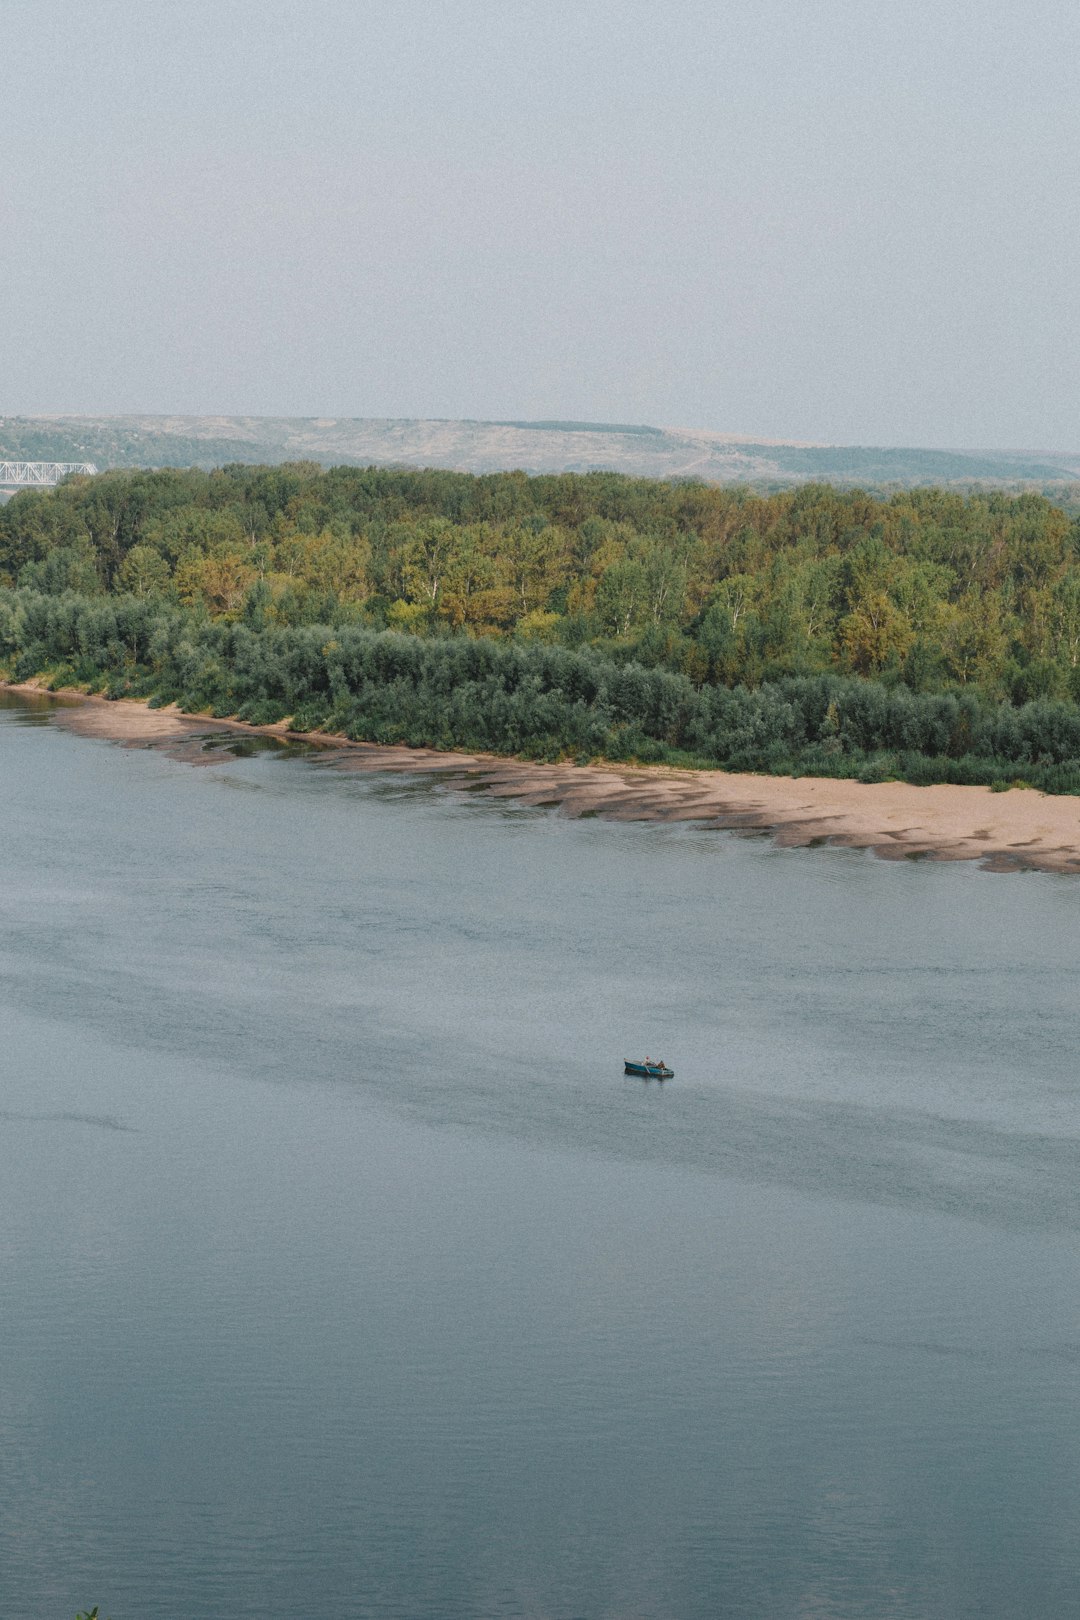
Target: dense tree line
x=933, y=589
x=922, y=634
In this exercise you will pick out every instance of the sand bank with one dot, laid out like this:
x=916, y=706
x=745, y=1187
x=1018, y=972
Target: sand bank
x=1007, y=832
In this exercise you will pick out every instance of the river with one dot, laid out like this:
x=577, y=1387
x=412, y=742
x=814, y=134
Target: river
x=344, y=1274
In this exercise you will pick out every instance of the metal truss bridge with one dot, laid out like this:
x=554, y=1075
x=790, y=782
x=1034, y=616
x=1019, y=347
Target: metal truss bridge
x=39, y=474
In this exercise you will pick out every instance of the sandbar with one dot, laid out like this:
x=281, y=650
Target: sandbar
x=1017, y=830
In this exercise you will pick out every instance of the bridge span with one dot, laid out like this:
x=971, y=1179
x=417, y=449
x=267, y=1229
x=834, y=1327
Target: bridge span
x=39, y=474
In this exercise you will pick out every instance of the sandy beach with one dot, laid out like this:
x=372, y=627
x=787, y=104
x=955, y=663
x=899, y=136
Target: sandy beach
x=1006, y=832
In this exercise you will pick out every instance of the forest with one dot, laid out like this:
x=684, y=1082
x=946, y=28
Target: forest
x=923, y=635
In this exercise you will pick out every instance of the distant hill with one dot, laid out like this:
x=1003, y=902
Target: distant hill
x=534, y=447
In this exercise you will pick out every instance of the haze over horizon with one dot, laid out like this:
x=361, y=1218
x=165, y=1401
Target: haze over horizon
x=830, y=225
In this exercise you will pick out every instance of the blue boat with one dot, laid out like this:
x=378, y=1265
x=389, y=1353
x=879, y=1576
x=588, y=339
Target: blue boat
x=648, y=1070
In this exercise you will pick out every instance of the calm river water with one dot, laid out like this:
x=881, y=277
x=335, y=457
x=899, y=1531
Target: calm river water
x=342, y=1272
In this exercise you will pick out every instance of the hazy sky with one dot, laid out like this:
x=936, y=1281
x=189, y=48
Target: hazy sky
x=854, y=221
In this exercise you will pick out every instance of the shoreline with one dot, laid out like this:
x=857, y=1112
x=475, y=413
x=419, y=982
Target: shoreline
x=1019, y=830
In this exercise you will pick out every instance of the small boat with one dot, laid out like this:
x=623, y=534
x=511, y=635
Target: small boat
x=648, y=1070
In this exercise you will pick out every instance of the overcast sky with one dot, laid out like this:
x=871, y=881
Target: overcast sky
x=850, y=221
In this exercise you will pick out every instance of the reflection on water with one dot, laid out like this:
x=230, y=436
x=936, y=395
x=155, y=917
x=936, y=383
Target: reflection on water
x=345, y=1273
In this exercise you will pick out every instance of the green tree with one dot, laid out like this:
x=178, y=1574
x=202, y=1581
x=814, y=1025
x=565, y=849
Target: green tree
x=144, y=572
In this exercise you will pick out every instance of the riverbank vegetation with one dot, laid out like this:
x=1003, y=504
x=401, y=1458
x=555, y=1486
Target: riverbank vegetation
x=920, y=635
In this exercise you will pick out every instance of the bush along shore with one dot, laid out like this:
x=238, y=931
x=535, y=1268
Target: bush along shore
x=535, y=701
x=922, y=635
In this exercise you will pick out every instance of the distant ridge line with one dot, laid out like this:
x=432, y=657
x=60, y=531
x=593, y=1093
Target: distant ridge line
x=542, y=446
x=581, y=427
